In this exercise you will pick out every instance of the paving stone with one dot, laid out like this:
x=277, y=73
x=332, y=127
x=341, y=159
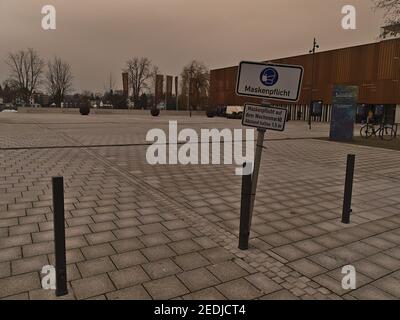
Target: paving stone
x=42, y=294
x=72, y=272
x=100, y=237
x=5, y=269
x=330, y=283
x=75, y=242
x=280, y=295
x=126, y=233
x=127, y=245
x=379, y=243
x=181, y=234
x=363, y=248
x=385, y=261
x=127, y=222
x=166, y=288
x=128, y=259
x=370, y=269
x=152, y=228
x=96, y=266
x=371, y=293
x=154, y=239
x=15, y=241
x=239, y=290
x=205, y=242
x=327, y=261
x=128, y=277
x=131, y=293
x=150, y=219
x=102, y=226
x=184, y=246
x=205, y=294
x=345, y=254
x=21, y=296
x=389, y=284
x=22, y=229
x=226, y=271
x=263, y=283
x=161, y=268
x=191, y=261
x=307, y=267
x=97, y=251
x=19, y=284
x=329, y=241
x=10, y=254
x=93, y=286
x=289, y=252
x=29, y=264
x=394, y=252
x=175, y=224
x=104, y=217
x=158, y=252
x=198, y=279
x=73, y=222
x=216, y=255
x=309, y=246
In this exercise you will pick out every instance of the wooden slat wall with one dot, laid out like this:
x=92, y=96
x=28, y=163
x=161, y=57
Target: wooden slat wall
x=372, y=67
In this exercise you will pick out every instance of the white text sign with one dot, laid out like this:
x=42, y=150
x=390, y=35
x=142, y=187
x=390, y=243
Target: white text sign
x=264, y=117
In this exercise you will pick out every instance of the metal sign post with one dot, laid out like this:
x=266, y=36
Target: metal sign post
x=257, y=162
x=266, y=81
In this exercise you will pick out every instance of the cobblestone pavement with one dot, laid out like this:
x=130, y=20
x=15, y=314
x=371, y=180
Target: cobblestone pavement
x=136, y=231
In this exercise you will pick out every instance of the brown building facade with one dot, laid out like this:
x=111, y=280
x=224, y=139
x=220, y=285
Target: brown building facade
x=374, y=68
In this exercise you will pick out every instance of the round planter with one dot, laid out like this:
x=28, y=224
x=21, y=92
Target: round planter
x=155, y=112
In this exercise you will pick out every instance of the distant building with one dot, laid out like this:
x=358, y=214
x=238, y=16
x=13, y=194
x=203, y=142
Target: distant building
x=41, y=99
x=374, y=68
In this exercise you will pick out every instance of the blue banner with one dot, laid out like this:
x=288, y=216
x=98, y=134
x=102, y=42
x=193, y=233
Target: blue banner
x=344, y=106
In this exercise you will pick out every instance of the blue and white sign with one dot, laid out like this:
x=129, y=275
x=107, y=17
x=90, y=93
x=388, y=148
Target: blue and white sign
x=269, y=76
x=269, y=81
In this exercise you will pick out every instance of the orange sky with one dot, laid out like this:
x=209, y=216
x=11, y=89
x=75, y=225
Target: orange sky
x=98, y=36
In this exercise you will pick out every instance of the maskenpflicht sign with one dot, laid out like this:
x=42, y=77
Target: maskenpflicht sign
x=269, y=81
x=264, y=117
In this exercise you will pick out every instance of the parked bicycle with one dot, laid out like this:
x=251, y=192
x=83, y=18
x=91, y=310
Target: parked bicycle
x=383, y=131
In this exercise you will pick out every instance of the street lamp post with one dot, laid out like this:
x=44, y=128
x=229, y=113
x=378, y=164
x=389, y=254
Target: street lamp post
x=312, y=51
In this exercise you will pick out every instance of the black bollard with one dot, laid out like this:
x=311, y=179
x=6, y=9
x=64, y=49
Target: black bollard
x=348, y=188
x=244, y=231
x=59, y=236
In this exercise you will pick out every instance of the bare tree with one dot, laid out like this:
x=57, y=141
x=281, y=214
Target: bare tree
x=195, y=76
x=392, y=14
x=58, y=79
x=139, y=71
x=26, y=68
